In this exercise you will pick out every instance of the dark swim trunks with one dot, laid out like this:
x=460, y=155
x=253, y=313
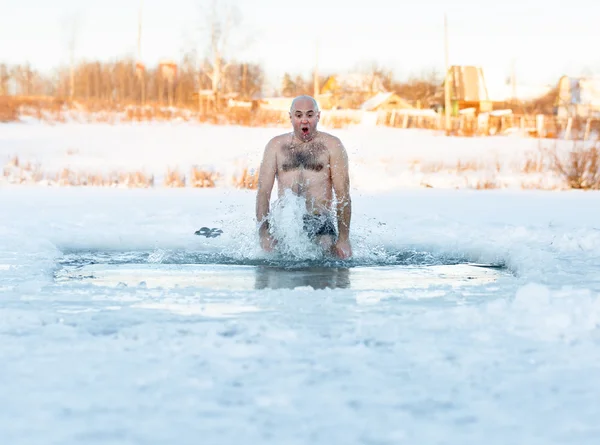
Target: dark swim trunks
x=319, y=225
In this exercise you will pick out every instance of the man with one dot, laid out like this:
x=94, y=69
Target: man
x=313, y=165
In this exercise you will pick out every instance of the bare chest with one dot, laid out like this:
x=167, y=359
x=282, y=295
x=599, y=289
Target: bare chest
x=311, y=156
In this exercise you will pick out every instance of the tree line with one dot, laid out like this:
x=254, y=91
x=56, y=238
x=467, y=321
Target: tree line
x=122, y=81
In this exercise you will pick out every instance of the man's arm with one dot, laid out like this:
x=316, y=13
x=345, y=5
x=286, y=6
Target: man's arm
x=341, y=186
x=266, y=179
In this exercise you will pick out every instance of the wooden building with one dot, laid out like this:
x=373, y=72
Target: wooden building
x=468, y=89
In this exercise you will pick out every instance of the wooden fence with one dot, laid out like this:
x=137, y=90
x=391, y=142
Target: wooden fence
x=498, y=122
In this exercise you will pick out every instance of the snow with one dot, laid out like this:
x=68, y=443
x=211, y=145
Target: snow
x=383, y=159
x=510, y=361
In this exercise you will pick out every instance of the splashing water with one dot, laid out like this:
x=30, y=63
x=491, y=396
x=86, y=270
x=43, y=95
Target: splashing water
x=286, y=226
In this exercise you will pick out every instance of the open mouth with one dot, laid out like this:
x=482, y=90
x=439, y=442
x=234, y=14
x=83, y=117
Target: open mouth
x=305, y=130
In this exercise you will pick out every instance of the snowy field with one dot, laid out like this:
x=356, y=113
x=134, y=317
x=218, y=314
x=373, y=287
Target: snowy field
x=383, y=158
x=286, y=348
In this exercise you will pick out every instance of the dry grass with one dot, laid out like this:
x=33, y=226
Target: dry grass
x=155, y=113
x=12, y=107
x=203, y=178
x=70, y=178
x=414, y=165
x=580, y=167
x=18, y=172
x=487, y=184
x=430, y=167
x=472, y=166
x=248, y=179
x=459, y=167
x=14, y=162
x=174, y=178
x=534, y=163
x=540, y=185
x=8, y=110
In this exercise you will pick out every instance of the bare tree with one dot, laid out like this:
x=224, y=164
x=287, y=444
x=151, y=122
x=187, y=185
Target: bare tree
x=375, y=74
x=109, y=84
x=221, y=20
x=25, y=78
x=425, y=89
x=4, y=79
x=288, y=86
x=245, y=79
x=303, y=86
x=70, y=26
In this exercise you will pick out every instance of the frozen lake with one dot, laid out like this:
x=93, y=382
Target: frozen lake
x=238, y=346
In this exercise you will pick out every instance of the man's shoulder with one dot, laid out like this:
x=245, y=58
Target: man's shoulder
x=279, y=139
x=328, y=137
x=330, y=141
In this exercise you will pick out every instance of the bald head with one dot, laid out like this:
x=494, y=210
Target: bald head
x=303, y=102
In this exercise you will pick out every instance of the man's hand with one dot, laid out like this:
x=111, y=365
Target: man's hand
x=266, y=179
x=267, y=242
x=342, y=249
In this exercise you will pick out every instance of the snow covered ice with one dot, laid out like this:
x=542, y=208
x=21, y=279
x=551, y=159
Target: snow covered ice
x=228, y=360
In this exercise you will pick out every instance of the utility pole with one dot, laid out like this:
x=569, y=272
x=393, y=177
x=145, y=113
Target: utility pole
x=141, y=67
x=513, y=81
x=244, y=81
x=139, y=40
x=72, y=71
x=316, y=73
x=72, y=41
x=447, y=104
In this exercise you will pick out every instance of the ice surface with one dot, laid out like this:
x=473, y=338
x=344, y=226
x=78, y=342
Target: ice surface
x=511, y=361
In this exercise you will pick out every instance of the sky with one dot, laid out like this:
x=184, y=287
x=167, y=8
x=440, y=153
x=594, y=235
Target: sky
x=542, y=42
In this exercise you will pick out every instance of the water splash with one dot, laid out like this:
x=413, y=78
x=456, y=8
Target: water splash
x=286, y=226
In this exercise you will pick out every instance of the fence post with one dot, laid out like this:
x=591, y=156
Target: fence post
x=539, y=118
x=588, y=125
x=568, y=129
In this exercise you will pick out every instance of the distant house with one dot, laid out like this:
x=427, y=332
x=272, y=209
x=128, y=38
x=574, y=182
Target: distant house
x=349, y=90
x=385, y=101
x=578, y=97
x=376, y=109
x=350, y=83
x=279, y=103
x=468, y=89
